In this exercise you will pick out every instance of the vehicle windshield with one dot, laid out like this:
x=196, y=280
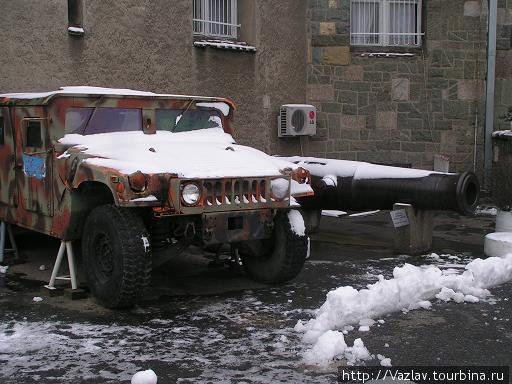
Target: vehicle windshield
x=180, y=120
x=90, y=121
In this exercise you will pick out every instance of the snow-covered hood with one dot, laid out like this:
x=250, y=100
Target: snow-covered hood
x=207, y=153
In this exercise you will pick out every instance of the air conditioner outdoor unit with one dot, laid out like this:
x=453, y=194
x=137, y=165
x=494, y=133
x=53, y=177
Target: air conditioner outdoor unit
x=296, y=120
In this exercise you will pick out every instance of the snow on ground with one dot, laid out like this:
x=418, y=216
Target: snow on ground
x=364, y=214
x=411, y=287
x=333, y=213
x=227, y=340
x=248, y=337
x=145, y=377
x=332, y=343
x=485, y=210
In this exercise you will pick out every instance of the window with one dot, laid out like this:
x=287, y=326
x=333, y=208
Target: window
x=177, y=120
x=395, y=23
x=105, y=120
x=1, y=130
x=217, y=18
x=76, y=119
x=33, y=134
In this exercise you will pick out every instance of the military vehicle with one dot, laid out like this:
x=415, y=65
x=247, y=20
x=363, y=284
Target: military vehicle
x=125, y=173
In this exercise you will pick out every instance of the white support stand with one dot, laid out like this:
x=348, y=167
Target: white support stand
x=6, y=227
x=65, y=246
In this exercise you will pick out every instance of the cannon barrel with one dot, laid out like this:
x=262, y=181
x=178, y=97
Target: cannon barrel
x=358, y=186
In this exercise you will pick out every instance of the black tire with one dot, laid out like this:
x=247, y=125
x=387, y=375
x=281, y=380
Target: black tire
x=279, y=259
x=117, y=259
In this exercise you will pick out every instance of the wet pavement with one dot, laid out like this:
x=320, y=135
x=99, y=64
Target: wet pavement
x=201, y=324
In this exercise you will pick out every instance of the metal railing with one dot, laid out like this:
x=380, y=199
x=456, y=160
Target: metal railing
x=217, y=18
x=386, y=23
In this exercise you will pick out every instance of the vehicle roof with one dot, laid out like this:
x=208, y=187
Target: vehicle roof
x=44, y=98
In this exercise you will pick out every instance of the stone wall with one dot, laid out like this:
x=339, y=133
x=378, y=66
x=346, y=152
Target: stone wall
x=148, y=44
x=503, y=90
x=400, y=110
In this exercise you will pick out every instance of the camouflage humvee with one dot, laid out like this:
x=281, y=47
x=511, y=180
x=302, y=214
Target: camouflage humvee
x=133, y=174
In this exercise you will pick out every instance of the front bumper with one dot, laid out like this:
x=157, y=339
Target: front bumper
x=232, y=227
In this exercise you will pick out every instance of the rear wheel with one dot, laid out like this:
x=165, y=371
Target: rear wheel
x=279, y=259
x=117, y=257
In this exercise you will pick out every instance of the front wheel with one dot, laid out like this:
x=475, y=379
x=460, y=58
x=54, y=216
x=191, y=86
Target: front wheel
x=280, y=258
x=116, y=254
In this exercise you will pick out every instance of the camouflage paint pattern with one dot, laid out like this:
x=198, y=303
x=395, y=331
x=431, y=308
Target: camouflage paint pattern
x=53, y=195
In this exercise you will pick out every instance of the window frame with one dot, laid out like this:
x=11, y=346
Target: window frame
x=30, y=149
x=384, y=34
x=204, y=23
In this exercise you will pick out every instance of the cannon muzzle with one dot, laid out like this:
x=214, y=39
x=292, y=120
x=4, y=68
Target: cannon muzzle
x=359, y=186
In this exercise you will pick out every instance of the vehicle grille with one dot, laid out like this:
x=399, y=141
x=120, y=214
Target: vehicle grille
x=237, y=192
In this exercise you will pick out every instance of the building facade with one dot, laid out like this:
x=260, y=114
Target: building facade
x=397, y=82
x=149, y=45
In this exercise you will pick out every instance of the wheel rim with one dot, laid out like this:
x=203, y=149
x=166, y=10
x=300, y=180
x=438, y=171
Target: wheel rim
x=103, y=257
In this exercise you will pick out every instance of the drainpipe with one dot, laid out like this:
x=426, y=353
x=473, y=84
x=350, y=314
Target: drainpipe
x=489, y=107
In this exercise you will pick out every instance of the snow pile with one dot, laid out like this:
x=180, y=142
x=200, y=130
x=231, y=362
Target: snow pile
x=279, y=187
x=222, y=107
x=384, y=361
x=331, y=169
x=333, y=213
x=332, y=345
x=448, y=294
x=4, y=268
x=504, y=133
x=200, y=154
x=37, y=299
x=410, y=288
x=144, y=377
x=483, y=210
x=76, y=30
x=330, y=180
x=297, y=222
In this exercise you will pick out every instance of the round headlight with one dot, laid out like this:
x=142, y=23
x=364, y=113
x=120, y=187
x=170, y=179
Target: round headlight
x=191, y=194
x=280, y=188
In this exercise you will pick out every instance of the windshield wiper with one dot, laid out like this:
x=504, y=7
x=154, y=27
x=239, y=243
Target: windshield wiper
x=177, y=122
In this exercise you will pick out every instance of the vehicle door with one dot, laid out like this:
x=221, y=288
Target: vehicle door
x=34, y=165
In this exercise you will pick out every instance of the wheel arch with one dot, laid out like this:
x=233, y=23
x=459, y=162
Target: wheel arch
x=87, y=196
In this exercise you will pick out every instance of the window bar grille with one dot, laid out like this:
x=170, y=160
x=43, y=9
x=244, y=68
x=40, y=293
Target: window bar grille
x=386, y=22
x=215, y=18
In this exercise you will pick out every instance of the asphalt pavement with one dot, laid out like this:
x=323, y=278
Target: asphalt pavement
x=200, y=324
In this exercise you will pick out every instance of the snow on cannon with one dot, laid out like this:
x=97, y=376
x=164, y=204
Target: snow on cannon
x=412, y=194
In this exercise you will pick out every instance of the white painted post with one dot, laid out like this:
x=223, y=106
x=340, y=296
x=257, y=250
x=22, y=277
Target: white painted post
x=13, y=241
x=71, y=264
x=56, y=267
